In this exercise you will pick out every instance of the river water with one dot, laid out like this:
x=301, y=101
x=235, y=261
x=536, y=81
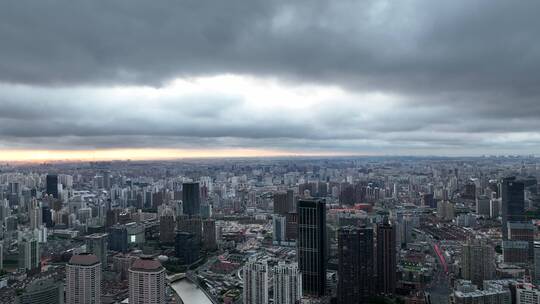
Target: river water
x=189, y=293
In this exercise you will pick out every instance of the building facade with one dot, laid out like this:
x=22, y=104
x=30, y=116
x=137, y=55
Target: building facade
x=355, y=265
x=386, y=258
x=255, y=274
x=147, y=282
x=312, y=246
x=287, y=281
x=83, y=279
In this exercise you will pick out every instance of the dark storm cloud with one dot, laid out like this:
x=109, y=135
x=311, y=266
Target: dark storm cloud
x=414, y=45
x=465, y=73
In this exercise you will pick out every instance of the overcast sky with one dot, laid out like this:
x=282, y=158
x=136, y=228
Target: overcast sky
x=345, y=77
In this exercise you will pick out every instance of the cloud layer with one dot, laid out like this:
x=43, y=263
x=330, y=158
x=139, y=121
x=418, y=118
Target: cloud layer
x=374, y=77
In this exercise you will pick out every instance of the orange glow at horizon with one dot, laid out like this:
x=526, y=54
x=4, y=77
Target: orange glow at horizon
x=141, y=154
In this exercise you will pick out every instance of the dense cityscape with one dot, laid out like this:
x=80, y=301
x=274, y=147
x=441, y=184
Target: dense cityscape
x=272, y=230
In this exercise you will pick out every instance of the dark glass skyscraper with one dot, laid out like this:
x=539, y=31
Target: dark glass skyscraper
x=512, y=203
x=186, y=247
x=118, y=238
x=355, y=267
x=52, y=185
x=386, y=258
x=191, y=198
x=280, y=203
x=46, y=216
x=312, y=246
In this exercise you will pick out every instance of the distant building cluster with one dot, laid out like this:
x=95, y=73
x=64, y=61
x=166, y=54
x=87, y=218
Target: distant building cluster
x=340, y=230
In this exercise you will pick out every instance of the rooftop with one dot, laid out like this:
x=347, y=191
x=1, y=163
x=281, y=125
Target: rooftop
x=146, y=264
x=84, y=259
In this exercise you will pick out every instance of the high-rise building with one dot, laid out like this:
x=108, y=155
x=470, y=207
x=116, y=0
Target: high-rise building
x=312, y=246
x=192, y=225
x=52, y=185
x=537, y=263
x=279, y=224
x=291, y=200
x=1, y=255
x=255, y=274
x=118, y=238
x=42, y=291
x=209, y=235
x=83, y=279
x=167, y=226
x=524, y=232
x=46, y=216
x=107, y=180
x=477, y=261
x=281, y=203
x=146, y=282
x=29, y=254
x=97, y=244
x=34, y=213
x=355, y=265
x=386, y=258
x=186, y=247
x=287, y=281
x=191, y=198
x=291, y=227
x=512, y=203
x=483, y=205
x=122, y=263
x=527, y=294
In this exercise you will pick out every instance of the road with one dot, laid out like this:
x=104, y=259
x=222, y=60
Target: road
x=440, y=286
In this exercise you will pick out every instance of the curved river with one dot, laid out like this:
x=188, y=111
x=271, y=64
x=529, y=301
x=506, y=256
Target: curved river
x=189, y=293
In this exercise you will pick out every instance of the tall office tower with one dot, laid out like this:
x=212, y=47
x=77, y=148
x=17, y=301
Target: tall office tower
x=322, y=189
x=191, y=198
x=1, y=255
x=192, y=225
x=355, y=265
x=52, y=185
x=34, y=213
x=525, y=232
x=146, y=282
x=477, y=261
x=291, y=227
x=281, y=205
x=186, y=247
x=83, y=279
x=5, y=210
x=107, y=180
x=287, y=281
x=255, y=274
x=118, y=238
x=537, y=263
x=46, y=216
x=206, y=210
x=311, y=246
x=42, y=291
x=209, y=235
x=386, y=258
x=482, y=205
x=167, y=226
x=97, y=244
x=513, y=203
x=279, y=224
x=291, y=200
x=518, y=248
x=29, y=254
